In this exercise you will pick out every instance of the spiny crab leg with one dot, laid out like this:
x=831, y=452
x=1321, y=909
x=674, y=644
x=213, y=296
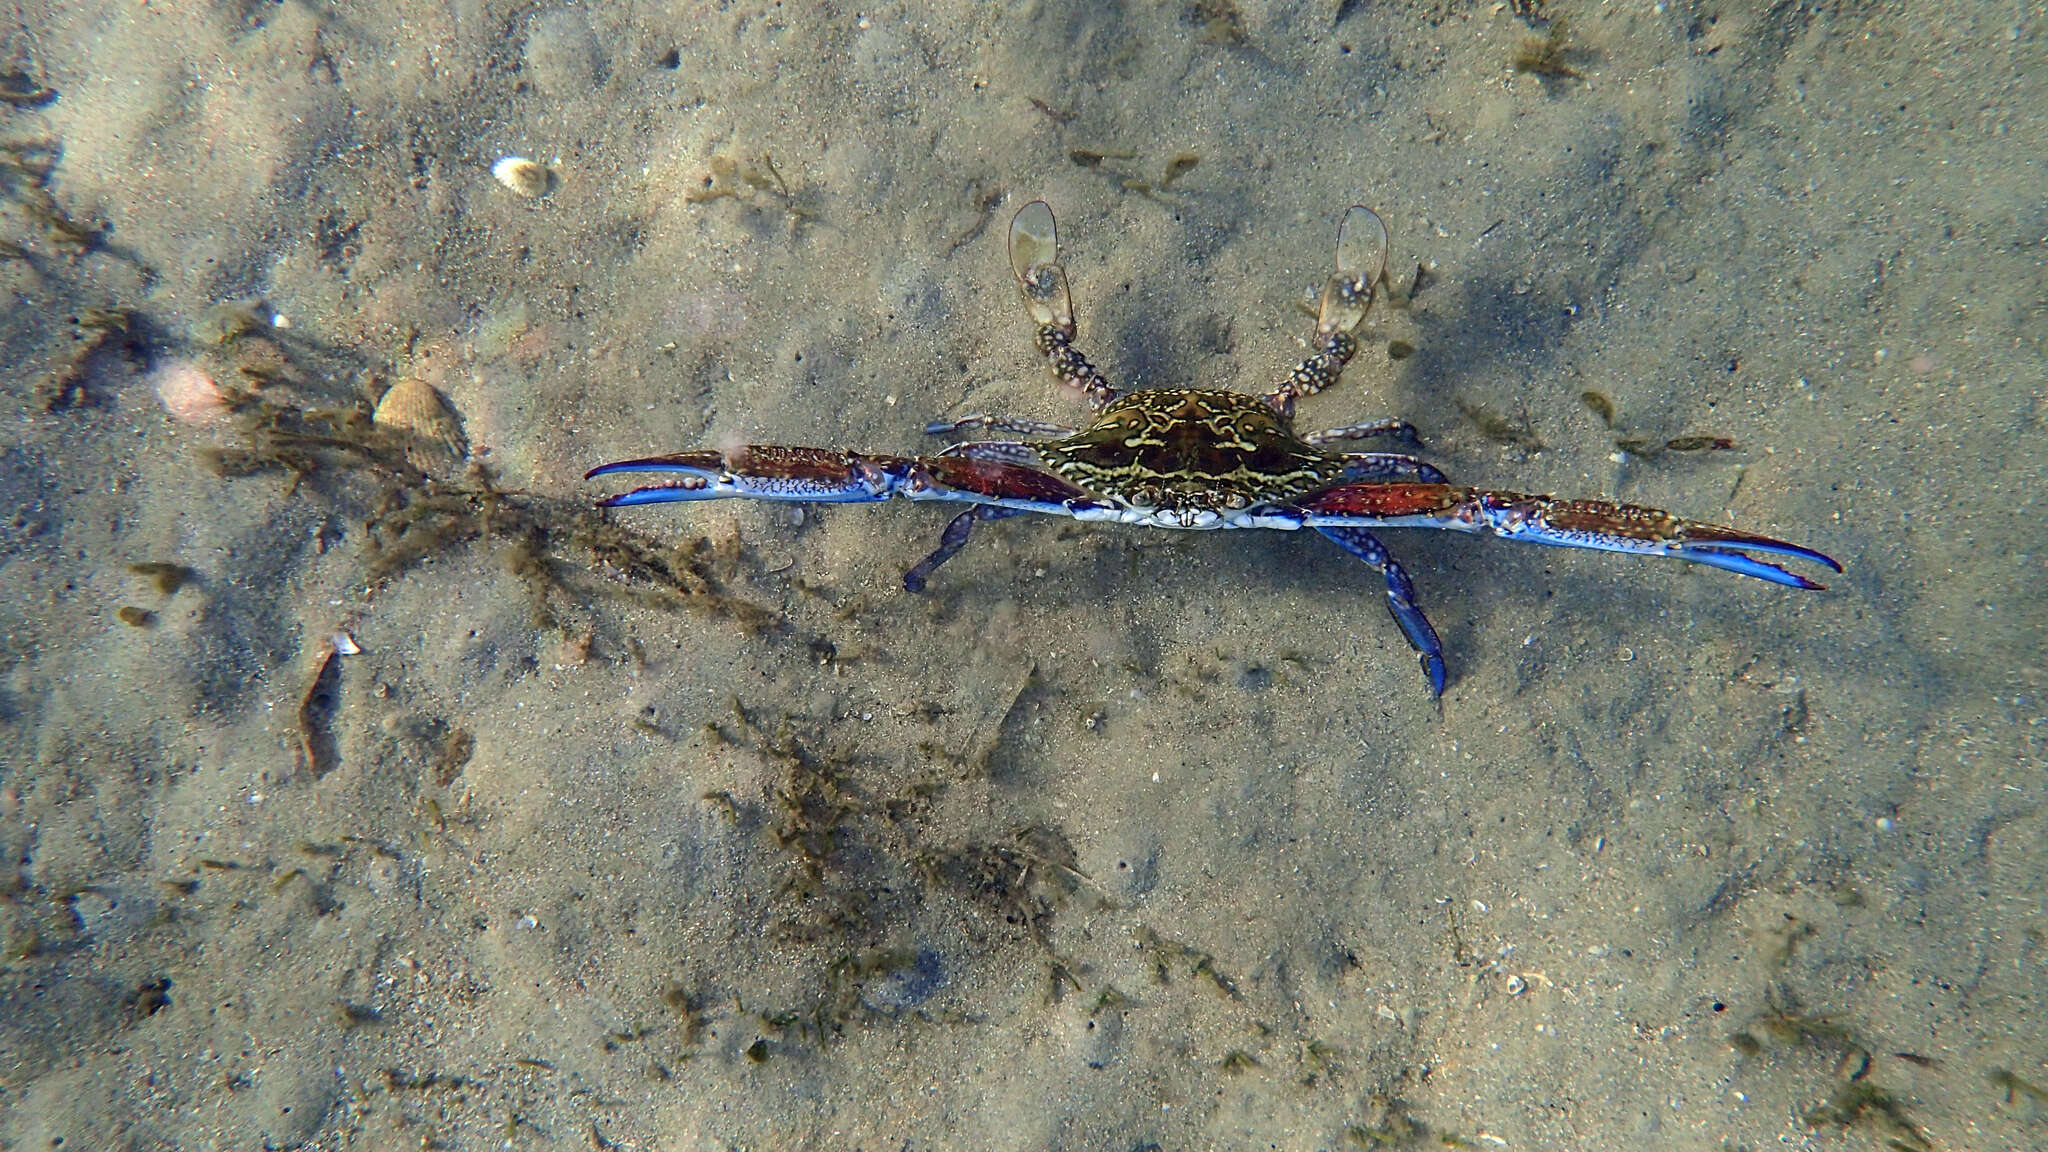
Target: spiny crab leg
x=1035, y=258
x=1347, y=296
x=982, y=422
x=1396, y=429
x=1390, y=467
x=1599, y=525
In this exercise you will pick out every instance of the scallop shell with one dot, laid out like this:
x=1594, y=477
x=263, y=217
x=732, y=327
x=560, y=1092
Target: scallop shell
x=413, y=406
x=529, y=178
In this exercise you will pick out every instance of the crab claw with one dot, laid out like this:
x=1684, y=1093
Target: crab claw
x=1631, y=528
x=1726, y=548
x=1600, y=525
x=762, y=472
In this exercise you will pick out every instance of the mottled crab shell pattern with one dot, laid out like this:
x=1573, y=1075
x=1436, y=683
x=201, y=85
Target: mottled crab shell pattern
x=1183, y=450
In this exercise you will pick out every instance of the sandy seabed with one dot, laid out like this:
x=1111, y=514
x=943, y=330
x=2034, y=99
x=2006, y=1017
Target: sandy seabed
x=690, y=829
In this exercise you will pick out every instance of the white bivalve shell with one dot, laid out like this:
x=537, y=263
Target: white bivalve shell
x=528, y=178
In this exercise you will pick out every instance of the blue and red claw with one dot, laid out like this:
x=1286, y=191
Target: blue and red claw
x=700, y=462
x=981, y=474
x=1628, y=528
x=1728, y=550
x=697, y=473
x=1598, y=525
x=761, y=472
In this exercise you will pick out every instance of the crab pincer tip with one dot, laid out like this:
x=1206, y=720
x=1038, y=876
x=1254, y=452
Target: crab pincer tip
x=1433, y=667
x=612, y=466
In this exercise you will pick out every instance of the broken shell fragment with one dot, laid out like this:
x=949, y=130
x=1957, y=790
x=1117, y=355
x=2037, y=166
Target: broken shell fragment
x=190, y=396
x=529, y=178
x=414, y=407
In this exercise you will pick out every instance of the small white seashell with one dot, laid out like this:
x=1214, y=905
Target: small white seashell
x=529, y=178
x=345, y=644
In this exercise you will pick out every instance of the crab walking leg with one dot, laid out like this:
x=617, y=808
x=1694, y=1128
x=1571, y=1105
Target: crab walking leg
x=1599, y=525
x=1035, y=258
x=1388, y=467
x=1400, y=599
x=952, y=540
x=1347, y=296
x=1398, y=429
x=982, y=422
x=1002, y=451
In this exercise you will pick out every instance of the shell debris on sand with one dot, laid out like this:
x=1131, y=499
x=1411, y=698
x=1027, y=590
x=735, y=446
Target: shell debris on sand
x=190, y=396
x=529, y=178
x=415, y=407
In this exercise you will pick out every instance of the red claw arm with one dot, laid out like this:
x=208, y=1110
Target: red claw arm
x=1600, y=525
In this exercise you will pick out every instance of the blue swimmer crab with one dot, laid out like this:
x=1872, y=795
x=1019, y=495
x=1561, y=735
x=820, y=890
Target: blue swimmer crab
x=1203, y=459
